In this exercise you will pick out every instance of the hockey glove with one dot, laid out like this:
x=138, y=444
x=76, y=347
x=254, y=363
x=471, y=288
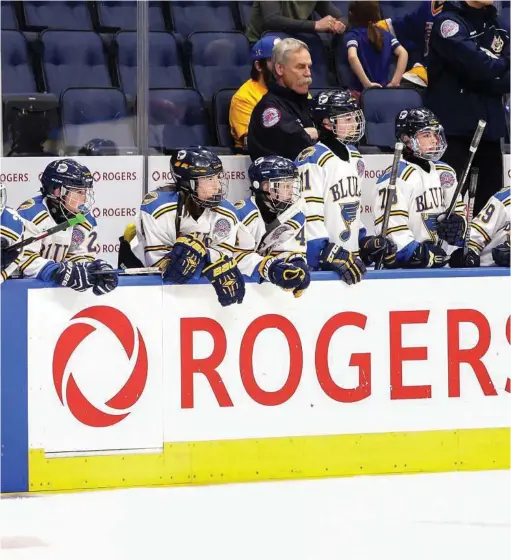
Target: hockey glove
x=102, y=283
x=500, y=254
x=73, y=275
x=286, y=275
x=227, y=280
x=452, y=230
x=186, y=256
x=427, y=255
x=334, y=257
x=470, y=260
x=300, y=263
x=7, y=257
x=373, y=248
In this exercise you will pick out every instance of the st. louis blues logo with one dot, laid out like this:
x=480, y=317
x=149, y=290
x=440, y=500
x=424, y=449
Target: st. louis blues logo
x=431, y=224
x=349, y=212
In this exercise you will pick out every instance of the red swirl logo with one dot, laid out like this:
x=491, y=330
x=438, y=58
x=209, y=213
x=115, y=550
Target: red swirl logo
x=129, y=338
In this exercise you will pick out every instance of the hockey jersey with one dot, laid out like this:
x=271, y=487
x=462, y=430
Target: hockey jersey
x=156, y=228
x=491, y=226
x=332, y=190
x=283, y=238
x=11, y=229
x=75, y=245
x=420, y=197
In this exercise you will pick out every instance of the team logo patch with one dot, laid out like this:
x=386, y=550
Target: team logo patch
x=270, y=117
x=27, y=204
x=449, y=28
x=149, y=197
x=304, y=154
x=239, y=205
x=222, y=228
x=62, y=168
x=497, y=44
x=77, y=238
x=360, y=167
x=279, y=232
x=402, y=115
x=446, y=179
x=181, y=154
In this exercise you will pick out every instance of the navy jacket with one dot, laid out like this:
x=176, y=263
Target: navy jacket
x=468, y=70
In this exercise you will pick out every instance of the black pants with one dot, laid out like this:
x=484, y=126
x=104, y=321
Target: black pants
x=488, y=159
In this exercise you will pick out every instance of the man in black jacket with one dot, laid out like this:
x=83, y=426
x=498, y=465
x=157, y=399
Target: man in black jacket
x=281, y=123
x=468, y=71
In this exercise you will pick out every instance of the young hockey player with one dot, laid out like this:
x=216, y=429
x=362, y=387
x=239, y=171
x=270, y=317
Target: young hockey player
x=189, y=229
x=11, y=232
x=489, y=235
x=331, y=173
x=66, y=258
x=424, y=189
x=272, y=226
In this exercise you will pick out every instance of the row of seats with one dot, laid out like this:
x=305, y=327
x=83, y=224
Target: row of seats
x=178, y=117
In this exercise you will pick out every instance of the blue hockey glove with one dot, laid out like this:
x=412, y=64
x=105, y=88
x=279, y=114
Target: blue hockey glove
x=300, y=263
x=500, y=254
x=350, y=268
x=102, y=283
x=227, y=280
x=186, y=256
x=289, y=276
x=470, y=260
x=452, y=230
x=427, y=255
x=73, y=275
x=373, y=248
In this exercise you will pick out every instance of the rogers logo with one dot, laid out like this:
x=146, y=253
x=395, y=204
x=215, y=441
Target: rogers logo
x=14, y=177
x=113, y=212
x=163, y=175
x=133, y=344
x=114, y=176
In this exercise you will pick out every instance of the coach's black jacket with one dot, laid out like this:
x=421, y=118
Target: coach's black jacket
x=468, y=70
x=277, y=124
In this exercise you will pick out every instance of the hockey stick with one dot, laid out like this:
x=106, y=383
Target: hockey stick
x=471, y=200
x=129, y=271
x=78, y=219
x=391, y=191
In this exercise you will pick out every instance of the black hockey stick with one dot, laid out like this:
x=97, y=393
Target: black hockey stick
x=471, y=199
x=390, y=193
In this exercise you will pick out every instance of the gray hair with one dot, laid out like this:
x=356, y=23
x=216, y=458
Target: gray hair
x=284, y=48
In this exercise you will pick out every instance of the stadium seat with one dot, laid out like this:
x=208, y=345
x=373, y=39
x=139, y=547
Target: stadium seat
x=395, y=9
x=191, y=16
x=245, y=10
x=177, y=118
x=221, y=105
x=381, y=107
x=8, y=16
x=218, y=61
x=165, y=66
x=342, y=6
x=57, y=15
x=17, y=76
x=89, y=113
x=73, y=59
x=504, y=14
x=123, y=15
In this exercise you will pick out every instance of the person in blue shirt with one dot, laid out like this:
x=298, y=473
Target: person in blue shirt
x=371, y=49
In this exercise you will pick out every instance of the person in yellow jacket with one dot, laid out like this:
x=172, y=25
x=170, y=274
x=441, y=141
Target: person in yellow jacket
x=249, y=94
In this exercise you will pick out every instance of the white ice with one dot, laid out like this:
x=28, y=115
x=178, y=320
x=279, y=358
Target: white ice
x=435, y=517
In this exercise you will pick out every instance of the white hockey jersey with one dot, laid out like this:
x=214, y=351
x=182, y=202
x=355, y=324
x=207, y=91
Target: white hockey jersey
x=156, y=228
x=491, y=226
x=332, y=190
x=420, y=197
x=283, y=238
x=11, y=229
x=74, y=245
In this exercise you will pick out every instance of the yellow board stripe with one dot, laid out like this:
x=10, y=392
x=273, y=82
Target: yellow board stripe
x=164, y=210
x=284, y=458
x=227, y=213
x=323, y=159
x=251, y=217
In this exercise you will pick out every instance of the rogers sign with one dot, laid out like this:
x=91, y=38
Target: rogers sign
x=114, y=176
x=113, y=212
x=15, y=177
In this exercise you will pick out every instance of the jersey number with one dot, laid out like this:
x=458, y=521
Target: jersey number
x=305, y=180
x=91, y=247
x=383, y=194
x=488, y=213
x=300, y=237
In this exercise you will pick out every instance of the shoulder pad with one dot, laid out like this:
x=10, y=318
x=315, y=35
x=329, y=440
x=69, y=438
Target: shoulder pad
x=404, y=171
x=313, y=154
x=154, y=200
x=11, y=220
x=298, y=218
x=244, y=208
x=227, y=209
x=503, y=195
x=31, y=208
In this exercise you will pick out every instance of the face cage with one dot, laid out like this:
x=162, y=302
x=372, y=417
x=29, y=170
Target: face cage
x=3, y=197
x=432, y=154
x=67, y=195
x=274, y=186
x=215, y=199
x=358, y=126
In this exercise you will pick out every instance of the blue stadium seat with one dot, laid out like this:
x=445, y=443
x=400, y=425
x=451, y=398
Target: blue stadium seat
x=73, y=59
x=245, y=9
x=398, y=8
x=57, y=15
x=218, y=61
x=177, y=118
x=221, y=105
x=165, y=66
x=504, y=14
x=17, y=76
x=123, y=15
x=380, y=107
x=89, y=113
x=342, y=6
x=8, y=16
x=193, y=16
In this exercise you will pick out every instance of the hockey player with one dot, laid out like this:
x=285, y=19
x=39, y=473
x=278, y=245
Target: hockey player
x=424, y=189
x=272, y=226
x=11, y=232
x=189, y=229
x=66, y=258
x=489, y=235
x=331, y=173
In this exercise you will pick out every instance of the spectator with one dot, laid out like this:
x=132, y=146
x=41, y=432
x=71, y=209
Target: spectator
x=468, y=71
x=250, y=93
x=281, y=123
x=370, y=48
x=293, y=17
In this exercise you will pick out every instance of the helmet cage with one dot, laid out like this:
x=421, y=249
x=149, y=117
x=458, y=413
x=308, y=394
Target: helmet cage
x=429, y=154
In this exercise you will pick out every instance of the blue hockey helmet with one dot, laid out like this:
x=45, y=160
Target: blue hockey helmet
x=340, y=107
x=70, y=184
x=99, y=147
x=276, y=179
x=421, y=132
x=199, y=172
